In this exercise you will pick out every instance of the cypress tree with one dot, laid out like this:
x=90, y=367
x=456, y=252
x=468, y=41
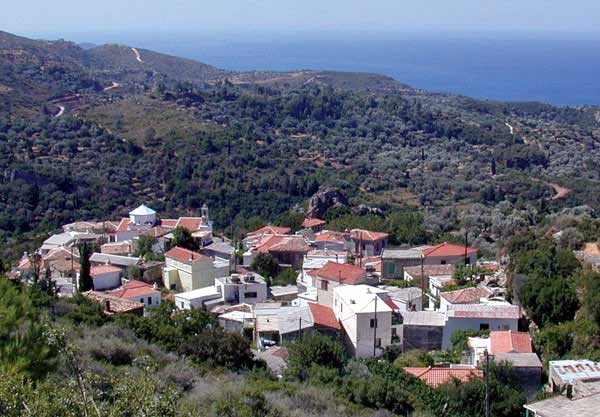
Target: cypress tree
x=85, y=277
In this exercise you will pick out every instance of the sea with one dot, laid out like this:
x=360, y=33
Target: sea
x=556, y=68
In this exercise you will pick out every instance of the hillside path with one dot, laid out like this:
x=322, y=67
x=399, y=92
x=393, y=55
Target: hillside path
x=110, y=87
x=512, y=129
x=137, y=55
x=61, y=110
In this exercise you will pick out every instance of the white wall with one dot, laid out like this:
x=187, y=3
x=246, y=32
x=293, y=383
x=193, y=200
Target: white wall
x=450, y=260
x=154, y=301
x=107, y=281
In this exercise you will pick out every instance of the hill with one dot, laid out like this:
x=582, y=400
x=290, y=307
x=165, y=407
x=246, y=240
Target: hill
x=137, y=126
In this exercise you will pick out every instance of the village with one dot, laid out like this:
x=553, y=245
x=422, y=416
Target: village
x=349, y=285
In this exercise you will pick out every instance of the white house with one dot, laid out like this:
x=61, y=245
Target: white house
x=448, y=253
x=249, y=288
x=365, y=314
x=479, y=317
x=186, y=270
x=105, y=277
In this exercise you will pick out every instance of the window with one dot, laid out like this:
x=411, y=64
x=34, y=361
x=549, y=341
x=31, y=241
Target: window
x=142, y=300
x=391, y=267
x=505, y=327
x=484, y=326
x=443, y=262
x=324, y=285
x=378, y=343
x=373, y=323
x=250, y=295
x=173, y=287
x=182, y=304
x=467, y=261
x=149, y=301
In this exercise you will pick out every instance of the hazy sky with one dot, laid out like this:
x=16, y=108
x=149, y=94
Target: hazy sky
x=68, y=17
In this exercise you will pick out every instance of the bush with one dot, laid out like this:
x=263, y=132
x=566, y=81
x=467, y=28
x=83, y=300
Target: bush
x=314, y=349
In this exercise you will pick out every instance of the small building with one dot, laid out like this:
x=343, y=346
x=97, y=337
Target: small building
x=140, y=220
x=448, y=253
x=480, y=317
x=333, y=275
x=434, y=377
x=277, y=324
x=123, y=248
x=186, y=270
x=325, y=320
x=249, y=288
x=368, y=243
x=283, y=294
x=197, y=298
x=105, y=277
x=407, y=299
x=328, y=240
x=113, y=305
x=396, y=260
x=236, y=321
x=472, y=295
x=423, y=330
x=139, y=291
x=563, y=373
x=151, y=271
x=255, y=236
x=287, y=250
x=365, y=314
x=316, y=225
x=437, y=284
x=413, y=273
x=563, y=406
x=222, y=250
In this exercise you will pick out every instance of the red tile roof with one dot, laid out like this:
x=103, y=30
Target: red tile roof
x=185, y=255
x=313, y=223
x=103, y=269
x=509, y=341
x=324, y=316
x=435, y=377
x=329, y=236
x=367, y=235
x=133, y=289
x=191, y=223
x=466, y=295
x=345, y=273
x=123, y=225
x=168, y=222
x=158, y=231
x=281, y=243
x=271, y=230
x=447, y=249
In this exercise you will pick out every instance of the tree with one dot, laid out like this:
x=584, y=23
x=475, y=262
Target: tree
x=145, y=245
x=265, y=265
x=85, y=278
x=314, y=349
x=183, y=238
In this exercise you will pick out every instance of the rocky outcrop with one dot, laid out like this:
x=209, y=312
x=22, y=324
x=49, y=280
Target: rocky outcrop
x=323, y=201
x=363, y=210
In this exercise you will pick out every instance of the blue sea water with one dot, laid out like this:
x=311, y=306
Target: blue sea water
x=561, y=69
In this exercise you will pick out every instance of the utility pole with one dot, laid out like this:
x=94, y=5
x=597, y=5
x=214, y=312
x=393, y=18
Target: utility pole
x=466, y=246
x=422, y=282
x=299, y=328
x=487, y=383
x=375, y=330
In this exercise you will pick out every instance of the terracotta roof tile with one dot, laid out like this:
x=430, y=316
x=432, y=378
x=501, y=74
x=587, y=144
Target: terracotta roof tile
x=447, y=249
x=193, y=224
x=281, y=243
x=484, y=311
x=313, y=223
x=185, y=255
x=133, y=289
x=123, y=225
x=168, y=222
x=345, y=273
x=466, y=295
x=509, y=341
x=435, y=377
x=324, y=316
x=330, y=236
x=367, y=235
x=103, y=269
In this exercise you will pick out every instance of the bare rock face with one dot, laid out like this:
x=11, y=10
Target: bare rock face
x=323, y=201
x=363, y=210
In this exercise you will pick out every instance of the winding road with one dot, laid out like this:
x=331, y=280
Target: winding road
x=110, y=87
x=137, y=55
x=512, y=129
x=61, y=110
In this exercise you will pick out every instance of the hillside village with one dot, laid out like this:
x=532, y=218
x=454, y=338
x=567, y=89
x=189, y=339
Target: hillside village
x=352, y=286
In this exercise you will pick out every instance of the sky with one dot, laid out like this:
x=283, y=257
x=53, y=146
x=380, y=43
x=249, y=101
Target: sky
x=64, y=18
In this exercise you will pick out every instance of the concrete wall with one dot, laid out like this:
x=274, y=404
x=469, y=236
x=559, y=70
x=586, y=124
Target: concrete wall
x=325, y=297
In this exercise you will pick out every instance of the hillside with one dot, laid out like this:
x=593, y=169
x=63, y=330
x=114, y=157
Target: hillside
x=137, y=126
